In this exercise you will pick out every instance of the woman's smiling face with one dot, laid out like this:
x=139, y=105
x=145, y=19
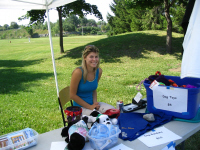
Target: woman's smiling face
x=92, y=59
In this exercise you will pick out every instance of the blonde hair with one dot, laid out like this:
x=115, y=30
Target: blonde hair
x=87, y=50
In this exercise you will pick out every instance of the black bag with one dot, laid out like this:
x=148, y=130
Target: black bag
x=134, y=106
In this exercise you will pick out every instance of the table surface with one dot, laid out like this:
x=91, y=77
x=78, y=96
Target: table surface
x=183, y=129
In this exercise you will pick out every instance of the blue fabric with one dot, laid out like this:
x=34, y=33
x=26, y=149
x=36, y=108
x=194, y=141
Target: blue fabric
x=85, y=90
x=132, y=125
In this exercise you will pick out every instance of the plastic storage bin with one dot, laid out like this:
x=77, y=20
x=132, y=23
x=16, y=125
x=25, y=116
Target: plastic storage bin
x=100, y=137
x=193, y=98
x=19, y=140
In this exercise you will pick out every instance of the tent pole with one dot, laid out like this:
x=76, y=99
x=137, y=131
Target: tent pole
x=52, y=53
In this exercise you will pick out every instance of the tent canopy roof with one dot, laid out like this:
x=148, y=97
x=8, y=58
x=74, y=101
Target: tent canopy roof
x=32, y=4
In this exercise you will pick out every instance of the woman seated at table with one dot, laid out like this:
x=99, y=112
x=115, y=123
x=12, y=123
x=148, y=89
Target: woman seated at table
x=84, y=82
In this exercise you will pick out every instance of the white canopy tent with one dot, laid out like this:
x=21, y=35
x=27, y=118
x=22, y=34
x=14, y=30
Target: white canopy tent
x=38, y=5
x=190, y=63
x=33, y=4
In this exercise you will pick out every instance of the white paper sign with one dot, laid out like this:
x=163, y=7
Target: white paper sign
x=60, y=145
x=172, y=99
x=158, y=136
x=138, y=97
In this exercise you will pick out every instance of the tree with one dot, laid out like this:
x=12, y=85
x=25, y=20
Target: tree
x=177, y=14
x=136, y=16
x=120, y=23
x=45, y=26
x=71, y=23
x=29, y=30
x=5, y=26
x=69, y=27
x=89, y=30
x=14, y=25
x=79, y=7
x=83, y=21
x=167, y=5
x=91, y=22
x=154, y=19
x=55, y=29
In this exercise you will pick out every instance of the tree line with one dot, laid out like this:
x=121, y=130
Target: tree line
x=13, y=25
x=71, y=25
x=129, y=15
x=137, y=15
x=74, y=23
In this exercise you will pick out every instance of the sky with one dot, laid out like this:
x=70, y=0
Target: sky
x=11, y=15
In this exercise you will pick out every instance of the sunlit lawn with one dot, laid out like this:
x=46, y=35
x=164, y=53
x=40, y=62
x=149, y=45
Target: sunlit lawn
x=28, y=92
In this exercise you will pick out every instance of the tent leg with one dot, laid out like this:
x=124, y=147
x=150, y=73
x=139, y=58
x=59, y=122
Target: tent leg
x=52, y=53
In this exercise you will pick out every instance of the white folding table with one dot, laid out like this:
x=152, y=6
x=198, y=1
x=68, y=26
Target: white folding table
x=183, y=129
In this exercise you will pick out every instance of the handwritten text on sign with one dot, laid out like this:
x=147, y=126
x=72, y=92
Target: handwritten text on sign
x=158, y=136
x=172, y=99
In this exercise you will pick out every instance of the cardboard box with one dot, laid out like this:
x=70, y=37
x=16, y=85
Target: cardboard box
x=175, y=101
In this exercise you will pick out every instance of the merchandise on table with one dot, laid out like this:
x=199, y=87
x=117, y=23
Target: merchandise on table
x=112, y=113
x=19, y=140
x=73, y=113
x=193, y=97
x=136, y=126
x=103, y=137
x=120, y=105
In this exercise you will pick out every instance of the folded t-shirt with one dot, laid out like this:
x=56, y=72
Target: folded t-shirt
x=132, y=125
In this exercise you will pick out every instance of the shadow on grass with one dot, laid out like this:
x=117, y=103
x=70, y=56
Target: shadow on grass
x=17, y=63
x=132, y=45
x=13, y=79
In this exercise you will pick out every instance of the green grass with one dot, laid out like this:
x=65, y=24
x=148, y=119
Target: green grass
x=28, y=92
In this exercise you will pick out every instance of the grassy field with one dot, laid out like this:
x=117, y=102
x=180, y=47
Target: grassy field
x=28, y=92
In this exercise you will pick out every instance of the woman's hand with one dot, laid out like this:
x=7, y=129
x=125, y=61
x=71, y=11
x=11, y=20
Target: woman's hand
x=95, y=105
